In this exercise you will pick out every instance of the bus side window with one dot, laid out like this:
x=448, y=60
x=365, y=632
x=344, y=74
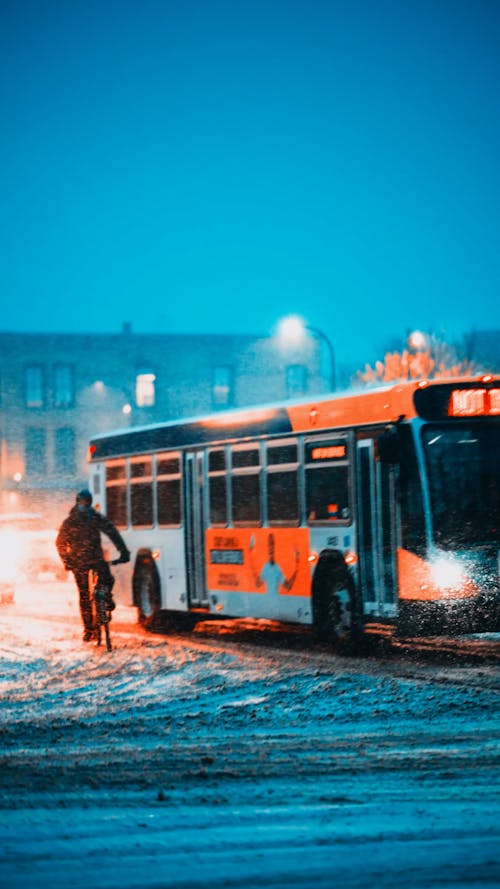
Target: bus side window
x=327, y=494
x=168, y=490
x=282, y=483
x=217, y=487
x=245, y=485
x=141, y=492
x=116, y=493
x=327, y=481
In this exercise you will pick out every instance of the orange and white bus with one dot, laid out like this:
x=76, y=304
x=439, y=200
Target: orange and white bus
x=381, y=506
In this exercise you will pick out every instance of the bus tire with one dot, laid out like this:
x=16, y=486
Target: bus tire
x=147, y=593
x=180, y=622
x=336, y=613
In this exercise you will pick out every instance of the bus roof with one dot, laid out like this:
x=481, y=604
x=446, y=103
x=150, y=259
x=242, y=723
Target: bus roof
x=381, y=405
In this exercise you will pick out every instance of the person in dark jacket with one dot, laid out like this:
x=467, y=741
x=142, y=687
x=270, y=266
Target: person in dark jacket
x=79, y=546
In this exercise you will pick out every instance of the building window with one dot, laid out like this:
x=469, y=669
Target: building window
x=63, y=385
x=296, y=380
x=222, y=386
x=35, y=451
x=145, y=389
x=65, y=451
x=33, y=382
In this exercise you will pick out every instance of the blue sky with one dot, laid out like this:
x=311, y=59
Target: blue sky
x=209, y=167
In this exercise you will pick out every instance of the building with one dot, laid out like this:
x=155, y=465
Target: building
x=57, y=389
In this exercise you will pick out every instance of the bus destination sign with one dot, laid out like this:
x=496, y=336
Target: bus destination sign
x=474, y=403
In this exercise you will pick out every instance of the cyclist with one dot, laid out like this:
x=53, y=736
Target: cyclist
x=79, y=546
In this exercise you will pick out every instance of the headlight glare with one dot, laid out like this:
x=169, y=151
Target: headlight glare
x=447, y=573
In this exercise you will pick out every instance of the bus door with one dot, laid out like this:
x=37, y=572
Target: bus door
x=378, y=532
x=195, y=528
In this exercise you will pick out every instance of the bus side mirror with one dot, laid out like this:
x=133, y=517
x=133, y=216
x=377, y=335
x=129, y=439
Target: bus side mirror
x=388, y=446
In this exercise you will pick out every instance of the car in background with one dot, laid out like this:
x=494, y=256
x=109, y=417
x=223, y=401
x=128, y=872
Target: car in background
x=40, y=560
x=10, y=556
x=27, y=553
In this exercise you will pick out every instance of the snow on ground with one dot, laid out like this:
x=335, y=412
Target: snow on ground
x=221, y=759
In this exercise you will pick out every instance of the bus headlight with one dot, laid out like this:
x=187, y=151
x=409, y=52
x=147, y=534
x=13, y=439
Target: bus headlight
x=448, y=573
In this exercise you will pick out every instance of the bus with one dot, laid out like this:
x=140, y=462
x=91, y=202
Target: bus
x=354, y=510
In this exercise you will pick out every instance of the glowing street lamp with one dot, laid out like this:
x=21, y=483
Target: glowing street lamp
x=293, y=329
x=417, y=340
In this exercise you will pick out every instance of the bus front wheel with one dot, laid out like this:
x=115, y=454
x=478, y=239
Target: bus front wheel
x=147, y=594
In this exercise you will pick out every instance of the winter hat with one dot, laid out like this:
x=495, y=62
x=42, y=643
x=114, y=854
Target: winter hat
x=84, y=495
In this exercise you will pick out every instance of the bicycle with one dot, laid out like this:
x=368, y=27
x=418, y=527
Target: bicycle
x=103, y=605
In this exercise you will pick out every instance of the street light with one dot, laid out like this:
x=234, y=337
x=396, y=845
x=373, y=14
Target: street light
x=417, y=340
x=293, y=329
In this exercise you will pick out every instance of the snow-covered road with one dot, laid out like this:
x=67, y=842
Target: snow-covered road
x=198, y=760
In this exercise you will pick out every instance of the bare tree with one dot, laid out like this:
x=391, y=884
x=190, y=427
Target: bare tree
x=435, y=360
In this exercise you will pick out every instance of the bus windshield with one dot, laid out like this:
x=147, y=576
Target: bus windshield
x=464, y=483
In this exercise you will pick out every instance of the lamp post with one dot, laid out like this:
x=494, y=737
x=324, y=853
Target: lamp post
x=293, y=329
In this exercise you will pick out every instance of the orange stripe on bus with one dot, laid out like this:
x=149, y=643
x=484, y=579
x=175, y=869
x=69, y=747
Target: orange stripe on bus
x=379, y=406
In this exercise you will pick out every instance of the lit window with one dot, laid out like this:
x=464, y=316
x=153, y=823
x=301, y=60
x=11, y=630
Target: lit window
x=33, y=380
x=63, y=385
x=145, y=389
x=222, y=389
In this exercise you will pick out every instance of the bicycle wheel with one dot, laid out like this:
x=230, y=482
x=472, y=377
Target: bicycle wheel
x=102, y=616
x=108, y=637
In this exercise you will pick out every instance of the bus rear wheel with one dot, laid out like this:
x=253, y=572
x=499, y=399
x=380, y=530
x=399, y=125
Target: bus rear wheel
x=335, y=613
x=147, y=594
